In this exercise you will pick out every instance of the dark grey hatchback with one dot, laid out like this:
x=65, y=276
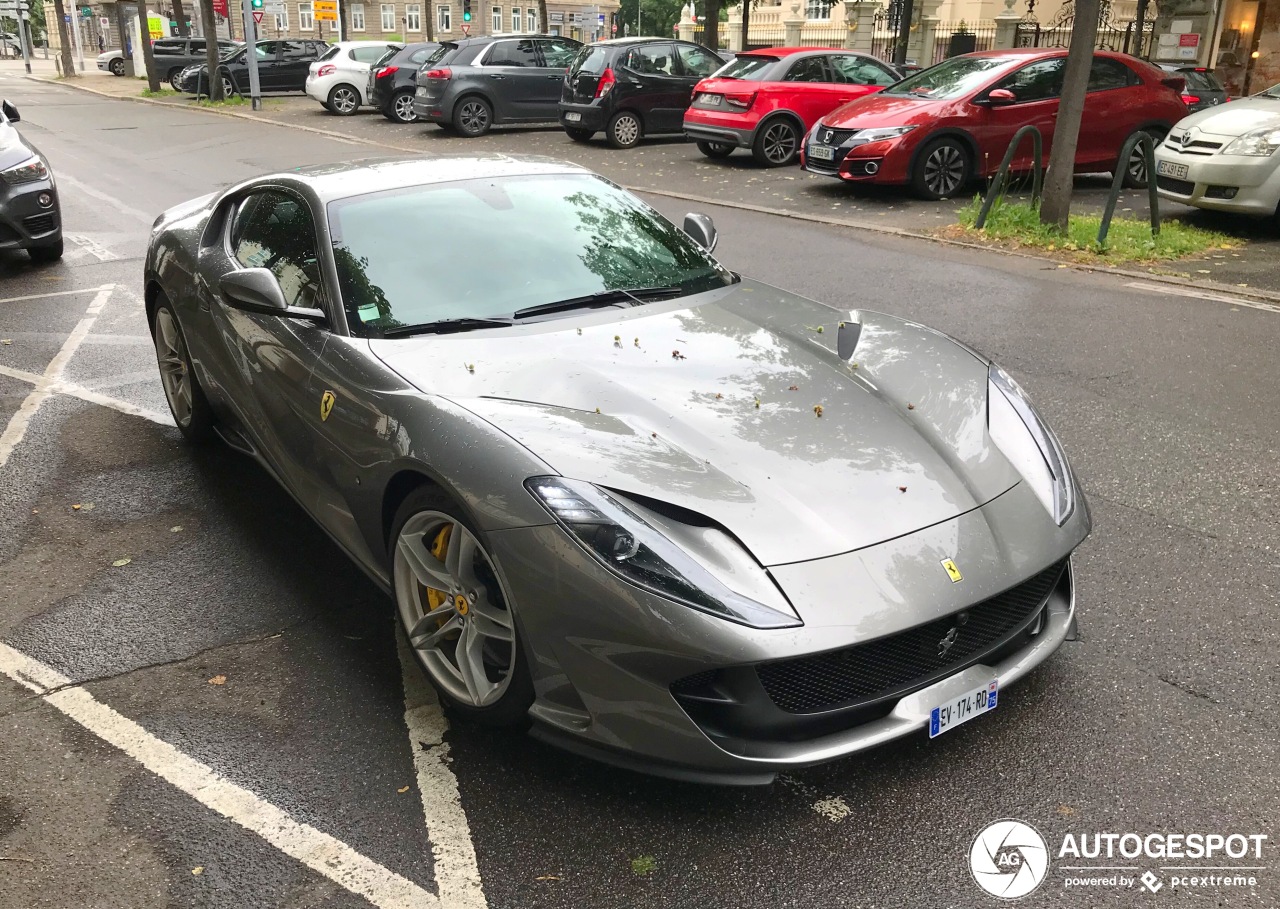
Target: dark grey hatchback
x=477, y=83
x=29, y=215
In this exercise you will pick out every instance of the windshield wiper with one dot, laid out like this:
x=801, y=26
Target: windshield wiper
x=601, y=299
x=445, y=326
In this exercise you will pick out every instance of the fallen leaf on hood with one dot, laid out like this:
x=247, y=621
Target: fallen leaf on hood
x=817, y=408
x=1066, y=810
x=218, y=680
x=902, y=489
x=910, y=406
x=794, y=388
x=471, y=367
x=719, y=396
x=676, y=355
x=75, y=507
x=6, y=341
x=757, y=403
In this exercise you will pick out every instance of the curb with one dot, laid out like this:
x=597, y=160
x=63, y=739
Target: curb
x=872, y=227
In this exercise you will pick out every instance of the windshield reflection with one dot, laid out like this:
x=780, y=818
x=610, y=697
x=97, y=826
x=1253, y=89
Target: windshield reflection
x=951, y=78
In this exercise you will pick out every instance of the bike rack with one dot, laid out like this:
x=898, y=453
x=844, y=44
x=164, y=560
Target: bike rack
x=1002, y=175
x=1148, y=143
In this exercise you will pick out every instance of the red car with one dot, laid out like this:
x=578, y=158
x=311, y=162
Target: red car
x=766, y=100
x=940, y=128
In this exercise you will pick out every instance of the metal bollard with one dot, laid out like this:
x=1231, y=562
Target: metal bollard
x=1002, y=174
x=1148, y=143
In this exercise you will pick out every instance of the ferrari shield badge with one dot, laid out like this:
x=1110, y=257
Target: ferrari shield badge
x=952, y=571
x=326, y=406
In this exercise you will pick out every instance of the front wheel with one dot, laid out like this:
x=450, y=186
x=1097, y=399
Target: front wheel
x=228, y=86
x=117, y=67
x=578, y=135
x=473, y=117
x=715, y=149
x=625, y=130
x=456, y=611
x=942, y=169
x=182, y=390
x=400, y=110
x=1135, y=171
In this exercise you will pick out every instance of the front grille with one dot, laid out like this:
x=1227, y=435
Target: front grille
x=892, y=665
x=40, y=224
x=1169, y=184
x=834, y=136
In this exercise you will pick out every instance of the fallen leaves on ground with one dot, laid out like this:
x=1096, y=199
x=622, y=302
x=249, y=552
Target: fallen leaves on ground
x=120, y=563
x=218, y=680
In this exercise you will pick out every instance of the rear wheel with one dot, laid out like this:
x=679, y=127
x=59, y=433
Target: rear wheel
x=715, y=149
x=1135, y=171
x=175, y=81
x=182, y=390
x=777, y=143
x=343, y=100
x=942, y=169
x=400, y=110
x=625, y=130
x=228, y=85
x=473, y=116
x=578, y=135
x=456, y=611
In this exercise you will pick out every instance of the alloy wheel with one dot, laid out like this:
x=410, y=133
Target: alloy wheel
x=175, y=374
x=402, y=107
x=474, y=117
x=626, y=130
x=343, y=100
x=779, y=143
x=944, y=170
x=175, y=82
x=454, y=609
x=228, y=87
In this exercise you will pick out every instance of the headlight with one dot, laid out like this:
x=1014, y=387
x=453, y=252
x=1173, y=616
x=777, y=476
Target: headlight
x=27, y=171
x=635, y=551
x=1259, y=143
x=1030, y=446
x=877, y=135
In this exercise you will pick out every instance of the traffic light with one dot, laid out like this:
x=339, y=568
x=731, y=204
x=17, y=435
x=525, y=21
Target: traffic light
x=466, y=10
x=256, y=4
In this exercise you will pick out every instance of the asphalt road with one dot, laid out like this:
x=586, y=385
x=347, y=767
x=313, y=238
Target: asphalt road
x=238, y=635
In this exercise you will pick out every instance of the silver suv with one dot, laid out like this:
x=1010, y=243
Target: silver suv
x=476, y=83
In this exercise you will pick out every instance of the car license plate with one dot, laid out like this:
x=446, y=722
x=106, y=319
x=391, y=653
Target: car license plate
x=1171, y=169
x=711, y=100
x=959, y=710
x=572, y=117
x=420, y=92
x=822, y=153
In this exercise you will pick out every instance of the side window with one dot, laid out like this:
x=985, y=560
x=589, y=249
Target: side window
x=1039, y=81
x=267, y=50
x=807, y=69
x=698, y=62
x=1106, y=74
x=295, y=50
x=513, y=53
x=273, y=230
x=654, y=59
x=860, y=71
x=197, y=48
x=420, y=56
x=558, y=53
x=167, y=48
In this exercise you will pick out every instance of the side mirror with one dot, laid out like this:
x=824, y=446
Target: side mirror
x=998, y=97
x=257, y=290
x=702, y=229
x=10, y=112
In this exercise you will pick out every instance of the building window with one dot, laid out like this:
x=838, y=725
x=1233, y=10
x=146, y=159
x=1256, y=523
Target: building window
x=444, y=18
x=413, y=17
x=305, y=20
x=357, y=17
x=531, y=18
x=388, y=17
x=818, y=9
x=282, y=20
x=497, y=20
x=515, y=19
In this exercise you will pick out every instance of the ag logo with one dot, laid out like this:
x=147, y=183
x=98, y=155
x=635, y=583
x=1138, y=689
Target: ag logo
x=326, y=405
x=1009, y=859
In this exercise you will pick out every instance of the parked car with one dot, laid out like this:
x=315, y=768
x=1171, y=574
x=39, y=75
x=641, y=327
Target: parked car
x=30, y=217
x=632, y=87
x=941, y=128
x=393, y=79
x=605, y=540
x=1224, y=158
x=173, y=55
x=475, y=84
x=1203, y=89
x=340, y=78
x=766, y=100
x=282, y=67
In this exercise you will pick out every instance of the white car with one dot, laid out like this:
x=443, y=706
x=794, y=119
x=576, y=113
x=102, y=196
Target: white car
x=1225, y=158
x=338, y=79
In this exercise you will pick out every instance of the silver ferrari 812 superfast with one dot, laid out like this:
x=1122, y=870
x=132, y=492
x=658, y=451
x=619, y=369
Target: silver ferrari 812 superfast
x=666, y=515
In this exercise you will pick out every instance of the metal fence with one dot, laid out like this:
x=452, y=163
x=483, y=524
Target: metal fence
x=954, y=38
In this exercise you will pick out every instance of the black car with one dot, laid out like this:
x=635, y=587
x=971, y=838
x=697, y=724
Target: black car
x=632, y=87
x=1202, y=87
x=282, y=67
x=29, y=214
x=477, y=83
x=394, y=77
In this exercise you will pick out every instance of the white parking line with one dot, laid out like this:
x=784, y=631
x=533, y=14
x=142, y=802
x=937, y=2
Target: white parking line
x=94, y=192
x=93, y=247
x=1214, y=296
x=56, y=293
x=72, y=390
x=318, y=851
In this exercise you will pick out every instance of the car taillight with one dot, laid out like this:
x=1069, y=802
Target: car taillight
x=1189, y=99
x=385, y=71
x=740, y=102
x=606, y=83
x=327, y=70
x=442, y=73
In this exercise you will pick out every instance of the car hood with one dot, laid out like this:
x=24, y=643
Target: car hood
x=1235, y=118
x=711, y=403
x=879, y=109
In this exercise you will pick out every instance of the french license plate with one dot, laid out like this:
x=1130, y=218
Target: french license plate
x=959, y=710
x=711, y=100
x=420, y=92
x=1171, y=169
x=572, y=117
x=822, y=153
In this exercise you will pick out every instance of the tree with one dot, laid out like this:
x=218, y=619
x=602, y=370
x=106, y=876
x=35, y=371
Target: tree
x=148, y=57
x=542, y=17
x=210, y=28
x=1055, y=204
x=711, y=31
x=64, y=39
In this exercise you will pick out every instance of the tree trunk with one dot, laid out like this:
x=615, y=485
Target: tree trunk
x=543, y=18
x=711, y=30
x=144, y=38
x=746, y=25
x=1055, y=206
x=210, y=27
x=64, y=39
x=907, y=12
x=180, y=15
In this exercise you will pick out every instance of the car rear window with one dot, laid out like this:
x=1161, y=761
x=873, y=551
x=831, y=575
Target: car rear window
x=386, y=57
x=1197, y=81
x=754, y=68
x=592, y=60
x=331, y=52
x=445, y=53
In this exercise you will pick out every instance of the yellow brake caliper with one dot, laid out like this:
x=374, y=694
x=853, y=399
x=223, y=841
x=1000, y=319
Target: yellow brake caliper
x=437, y=598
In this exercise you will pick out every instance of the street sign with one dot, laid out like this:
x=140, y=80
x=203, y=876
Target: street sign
x=257, y=16
x=86, y=12
x=615, y=28
x=466, y=28
x=325, y=10
x=104, y=23
x=220, y=8
x=274, y=6
x=67, y=18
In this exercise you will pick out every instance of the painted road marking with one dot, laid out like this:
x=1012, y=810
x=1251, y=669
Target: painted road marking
x=1202, y=295
x=72, y=390
x=318, y=851
x=93, y=247
x=56, y=293
x=94, y=192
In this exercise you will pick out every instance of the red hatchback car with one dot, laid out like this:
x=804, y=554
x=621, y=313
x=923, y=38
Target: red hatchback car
x=940, y=128
x=766, y=100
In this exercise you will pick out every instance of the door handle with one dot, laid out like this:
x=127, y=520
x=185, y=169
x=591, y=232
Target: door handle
x=497, y=77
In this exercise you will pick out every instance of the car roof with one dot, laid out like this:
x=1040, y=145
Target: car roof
x=788, y=51
x=485, y=39
x=371, y=175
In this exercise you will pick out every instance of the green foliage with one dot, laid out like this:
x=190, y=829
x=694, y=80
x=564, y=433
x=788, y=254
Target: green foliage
x=1129, y=239
x=163, y=93
x=233, y=101
x=392, y=38
x=644, y=864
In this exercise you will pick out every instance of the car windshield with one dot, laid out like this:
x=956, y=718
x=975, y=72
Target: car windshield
x=414, y=255
x=750, y=67
x=952, y=78
x=1272, y=92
